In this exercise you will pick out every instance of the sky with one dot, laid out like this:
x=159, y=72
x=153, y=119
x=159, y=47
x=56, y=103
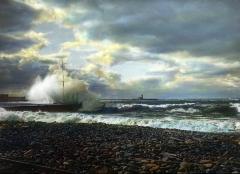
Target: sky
x=124, y=48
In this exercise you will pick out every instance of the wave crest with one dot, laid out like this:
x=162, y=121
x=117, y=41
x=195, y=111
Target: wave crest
x=202, y=125
x=188, y=108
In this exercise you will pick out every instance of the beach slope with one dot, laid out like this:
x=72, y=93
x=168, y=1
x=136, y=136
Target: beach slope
x=101, y=148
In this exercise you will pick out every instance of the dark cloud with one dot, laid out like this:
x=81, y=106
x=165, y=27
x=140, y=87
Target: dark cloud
x=200, y=27
x=17, y=76
x=10, y=44
x=15, y=20
x=15, y=16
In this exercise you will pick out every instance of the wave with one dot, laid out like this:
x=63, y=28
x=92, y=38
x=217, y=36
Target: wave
x=236, y=105
x=202, y=125
x=188, y=108
x=182, y=110
x=9, y=116
x=123, y=105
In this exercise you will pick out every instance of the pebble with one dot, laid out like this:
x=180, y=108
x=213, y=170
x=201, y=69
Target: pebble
x=28, y=153
x=100, y=148
x=183, y=166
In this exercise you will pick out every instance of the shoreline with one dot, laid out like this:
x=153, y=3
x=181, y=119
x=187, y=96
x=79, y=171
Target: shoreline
x=104, y=148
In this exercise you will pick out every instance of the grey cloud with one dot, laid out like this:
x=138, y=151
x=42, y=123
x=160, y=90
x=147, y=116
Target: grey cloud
x=10, y=44
x=151, y=88
x=154, y=87
x=199, y=27
x=15, y=16
x=148, y=87
x=183, y=90
x=168, y=75
x=16, y=76
x=126, y=54
x=202, y=28
x=56, y=35
x=209, y=70
x=15, y=20
x=96, y=84
x=200, y=90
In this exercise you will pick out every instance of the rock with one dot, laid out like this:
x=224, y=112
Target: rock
x=188, y=141
x=65, y=163
x=167, y=155
x=237, y=141
x=144, y=161
x=85, y=149
x=118, y=153
x=184, y=166
x=103, y=170
x=76, y=154
x=28, y=154
x=123, y=147
x=51, y=161
x=34, y=144
x=126, y=154
x=181, y=172
x=82, y=148
x=208, y=165
x=151, y=165
x=210, y=171
x=50, y=152
x=138, y=159
x=38, y=161
x=130, y=146
x=154, y=168
x=115, y=148
x=205, y=161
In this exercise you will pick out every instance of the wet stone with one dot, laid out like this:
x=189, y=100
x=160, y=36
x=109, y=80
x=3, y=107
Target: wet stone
x=100, y=148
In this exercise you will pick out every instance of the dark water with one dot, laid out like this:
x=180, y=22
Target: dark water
x=195, y=115
x=192, y=108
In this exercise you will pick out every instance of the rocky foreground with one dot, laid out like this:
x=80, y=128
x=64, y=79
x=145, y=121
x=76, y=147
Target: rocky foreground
x=100, y=148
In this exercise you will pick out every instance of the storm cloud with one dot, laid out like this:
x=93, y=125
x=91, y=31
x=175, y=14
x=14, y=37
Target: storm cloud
x=199, y=27
x=15, y=76
x=15, y=16
x=16, y=20
x=161, y=48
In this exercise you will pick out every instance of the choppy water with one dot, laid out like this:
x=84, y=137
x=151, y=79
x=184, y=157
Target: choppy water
x=194, y=115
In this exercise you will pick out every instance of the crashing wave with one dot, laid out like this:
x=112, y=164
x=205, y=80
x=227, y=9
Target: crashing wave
x=123, y=105
x=202, y=125
x=8, y=116
x=236, y=105
x=188, y=108
x=182, y=110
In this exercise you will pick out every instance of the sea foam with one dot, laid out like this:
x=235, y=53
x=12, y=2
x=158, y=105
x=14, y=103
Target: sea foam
x=202, y=125
x=236, y=105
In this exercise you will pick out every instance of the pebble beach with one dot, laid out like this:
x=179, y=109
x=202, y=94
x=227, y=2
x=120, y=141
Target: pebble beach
x=102, y=148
